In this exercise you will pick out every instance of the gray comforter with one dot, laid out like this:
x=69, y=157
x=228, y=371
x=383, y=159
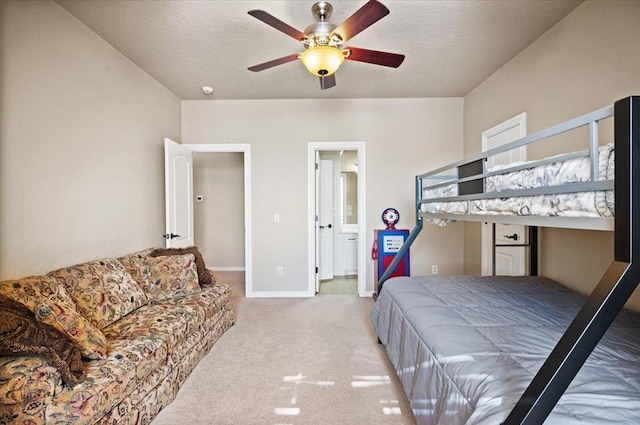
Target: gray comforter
x=465, y=348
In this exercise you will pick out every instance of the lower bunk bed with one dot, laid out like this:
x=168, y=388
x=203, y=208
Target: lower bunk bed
x=465, y=349
x=524, y=350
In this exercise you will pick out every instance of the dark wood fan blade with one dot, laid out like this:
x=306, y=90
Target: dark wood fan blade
x=277, y=24
x=275, y=62
x=363, y=18
x=375, y=57
x=327, y=82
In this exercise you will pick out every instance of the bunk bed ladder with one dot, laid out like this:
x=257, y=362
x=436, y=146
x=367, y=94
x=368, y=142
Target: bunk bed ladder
x=614, y=288
x=407, y=243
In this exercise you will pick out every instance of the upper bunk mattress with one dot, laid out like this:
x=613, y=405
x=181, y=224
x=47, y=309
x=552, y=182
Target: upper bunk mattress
x=576, y=204
x=465, y=349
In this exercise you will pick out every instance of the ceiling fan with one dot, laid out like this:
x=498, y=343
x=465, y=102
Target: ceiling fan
x=323, y=41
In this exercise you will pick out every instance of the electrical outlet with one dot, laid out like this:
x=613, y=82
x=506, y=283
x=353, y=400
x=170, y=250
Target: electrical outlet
x=276, y=218
x=434, y=269
x=279, y=271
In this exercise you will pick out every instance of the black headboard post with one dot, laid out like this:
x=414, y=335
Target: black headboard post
x=614, y=288
x=468, y=170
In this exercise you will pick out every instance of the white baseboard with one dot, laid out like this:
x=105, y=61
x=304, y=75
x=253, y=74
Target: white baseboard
x=279, y=294
x=293, y=294
x=227, y=269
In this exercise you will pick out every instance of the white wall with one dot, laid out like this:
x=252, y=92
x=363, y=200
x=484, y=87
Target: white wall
x=81, y=144
x=404, y=137
x=81, y=159
x=587, y=61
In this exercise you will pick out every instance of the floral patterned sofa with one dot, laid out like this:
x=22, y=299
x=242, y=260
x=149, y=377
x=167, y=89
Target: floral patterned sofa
x=109, y=341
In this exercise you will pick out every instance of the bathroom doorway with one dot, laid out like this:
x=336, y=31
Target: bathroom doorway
x=337, y=218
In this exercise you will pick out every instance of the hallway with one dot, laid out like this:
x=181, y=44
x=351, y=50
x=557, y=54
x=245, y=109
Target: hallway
x=340, y=285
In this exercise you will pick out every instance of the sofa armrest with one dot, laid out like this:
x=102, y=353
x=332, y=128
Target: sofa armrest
x=27, y=384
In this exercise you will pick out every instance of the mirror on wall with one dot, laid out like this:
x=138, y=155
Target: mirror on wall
x=349, y=189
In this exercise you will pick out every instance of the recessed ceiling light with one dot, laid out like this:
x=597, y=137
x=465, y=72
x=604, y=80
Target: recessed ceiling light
x=207, y=89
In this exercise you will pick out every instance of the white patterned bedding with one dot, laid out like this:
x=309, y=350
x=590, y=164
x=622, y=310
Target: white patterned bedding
x=465, y=348
x=578, y=204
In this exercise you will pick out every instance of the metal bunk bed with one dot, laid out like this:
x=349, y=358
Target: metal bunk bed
x=618, y=282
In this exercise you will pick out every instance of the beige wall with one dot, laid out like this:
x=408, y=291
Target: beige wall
x=81, y=157
x=587, y=61
x=219, y=219
x=403, y=138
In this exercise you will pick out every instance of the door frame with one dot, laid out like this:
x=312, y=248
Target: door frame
x=312, y=148
x=246, y=150
x=486, y=233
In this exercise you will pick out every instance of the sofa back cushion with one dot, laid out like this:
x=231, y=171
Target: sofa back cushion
x=205, y=278
x=136, y=265
x=51, y=304
x=102, y=289
x=171, y=276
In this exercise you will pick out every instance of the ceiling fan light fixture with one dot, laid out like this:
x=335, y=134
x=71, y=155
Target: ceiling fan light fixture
x=322, y=61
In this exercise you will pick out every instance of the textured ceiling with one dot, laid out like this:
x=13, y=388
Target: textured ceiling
x=450, y=45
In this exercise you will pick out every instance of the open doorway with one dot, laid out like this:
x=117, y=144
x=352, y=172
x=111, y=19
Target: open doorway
x=222, y=209
x=336, y=218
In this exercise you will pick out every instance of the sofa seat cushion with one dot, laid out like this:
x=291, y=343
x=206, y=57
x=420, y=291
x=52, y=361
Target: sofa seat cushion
x=52, y=305
x=211, y=299
x=108, y=381
x=171, y=320
x=167, y=322
x=103, y=290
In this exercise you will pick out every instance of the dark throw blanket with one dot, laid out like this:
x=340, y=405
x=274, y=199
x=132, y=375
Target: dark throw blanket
x=22, y=334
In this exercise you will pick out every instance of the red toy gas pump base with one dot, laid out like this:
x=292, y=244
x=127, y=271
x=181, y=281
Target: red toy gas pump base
x=387, y=242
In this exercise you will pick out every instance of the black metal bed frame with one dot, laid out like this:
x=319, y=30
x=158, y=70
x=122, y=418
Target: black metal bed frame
x=610, y=295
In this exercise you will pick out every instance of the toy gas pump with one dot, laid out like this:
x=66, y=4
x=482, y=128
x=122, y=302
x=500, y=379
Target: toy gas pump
x=387, y=242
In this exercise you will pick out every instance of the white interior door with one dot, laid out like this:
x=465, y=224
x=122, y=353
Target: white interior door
x=325, y=219
x=509, y=260
x=316, y=226
x=178, y=195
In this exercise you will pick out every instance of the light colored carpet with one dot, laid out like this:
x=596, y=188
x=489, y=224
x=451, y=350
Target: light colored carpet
x=292, y=361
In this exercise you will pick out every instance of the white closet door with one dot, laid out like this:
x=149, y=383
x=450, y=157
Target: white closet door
x=509, y=261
